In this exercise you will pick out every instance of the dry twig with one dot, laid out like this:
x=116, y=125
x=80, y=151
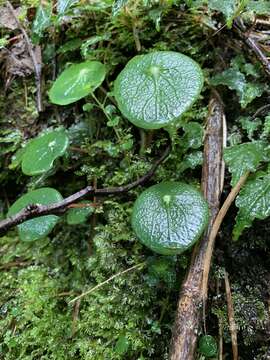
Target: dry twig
x=252, y=44
x=188, y=313
x=35, y=57
x=106, y=282
x=232, y=324
x=35, y=210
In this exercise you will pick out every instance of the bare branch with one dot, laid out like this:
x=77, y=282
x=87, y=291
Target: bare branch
x=36, y=210
x=35, y=57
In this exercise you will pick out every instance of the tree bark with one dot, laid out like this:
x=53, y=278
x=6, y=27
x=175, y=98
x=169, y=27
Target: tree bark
x=190, y=305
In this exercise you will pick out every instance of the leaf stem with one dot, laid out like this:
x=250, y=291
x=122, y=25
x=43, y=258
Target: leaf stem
x=107, y=281
x=101, y=106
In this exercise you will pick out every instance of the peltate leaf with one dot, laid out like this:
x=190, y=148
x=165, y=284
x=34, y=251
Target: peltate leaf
x=76, y=82
x=169, y=217
x=154, y=90
x=41, y=152
x=243, y=158
x=253, y=202
x=36, y=228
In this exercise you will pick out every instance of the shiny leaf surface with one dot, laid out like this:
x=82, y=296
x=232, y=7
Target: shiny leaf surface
x=76, y=82
x=244, y=157
x=41, y=152
x=37, y=228
x=169, y=217
x=154, y=90
x=253, y=202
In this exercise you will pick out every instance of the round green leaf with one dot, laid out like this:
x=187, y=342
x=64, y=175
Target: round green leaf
x=170, y=217
x=208, y=346
x=41, y=152
x=154, y=90
x=76, y=82
x=39, y=227
x=79, y=215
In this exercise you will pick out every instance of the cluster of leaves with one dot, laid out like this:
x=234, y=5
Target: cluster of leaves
x=90, y=142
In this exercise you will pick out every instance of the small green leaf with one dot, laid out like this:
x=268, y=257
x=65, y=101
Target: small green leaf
x=170, y=217
x=76, y=82
x=71, y=45
x=41, y=22
x=40, y=227
x=208, y=346
x=92, y=41
x=243, y=158
x=226, y=7
x=122, y=345
x=193, y=135
x=191, y=161
x=253, y=202
x=79, y=215
x=41, y=152
x=235, y=80
x=154, y=90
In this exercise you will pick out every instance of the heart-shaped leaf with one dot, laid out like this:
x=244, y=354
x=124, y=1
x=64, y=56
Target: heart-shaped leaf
x=39, y=227
x=154, y=90
x=76, y=82
x=41, y=152
x=170, y=217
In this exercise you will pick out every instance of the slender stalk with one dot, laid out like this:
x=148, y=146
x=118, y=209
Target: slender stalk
x=106, y=282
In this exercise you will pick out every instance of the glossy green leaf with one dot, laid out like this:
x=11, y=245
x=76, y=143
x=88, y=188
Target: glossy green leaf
x=253, y=203
x=154, y=90
x=244, y=157
x=39, y=227
x=41, y=152
x=76, y=82
x=235, y=80
x=42, y=21
x=79, y=215
x=208, y=346
x=169, y=217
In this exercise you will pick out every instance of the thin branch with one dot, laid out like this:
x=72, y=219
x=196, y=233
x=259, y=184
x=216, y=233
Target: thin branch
x=106, y=282
x=252, y=44
x=33, y=56
x=232, y=324
x=35, y=210
x=218, y=221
